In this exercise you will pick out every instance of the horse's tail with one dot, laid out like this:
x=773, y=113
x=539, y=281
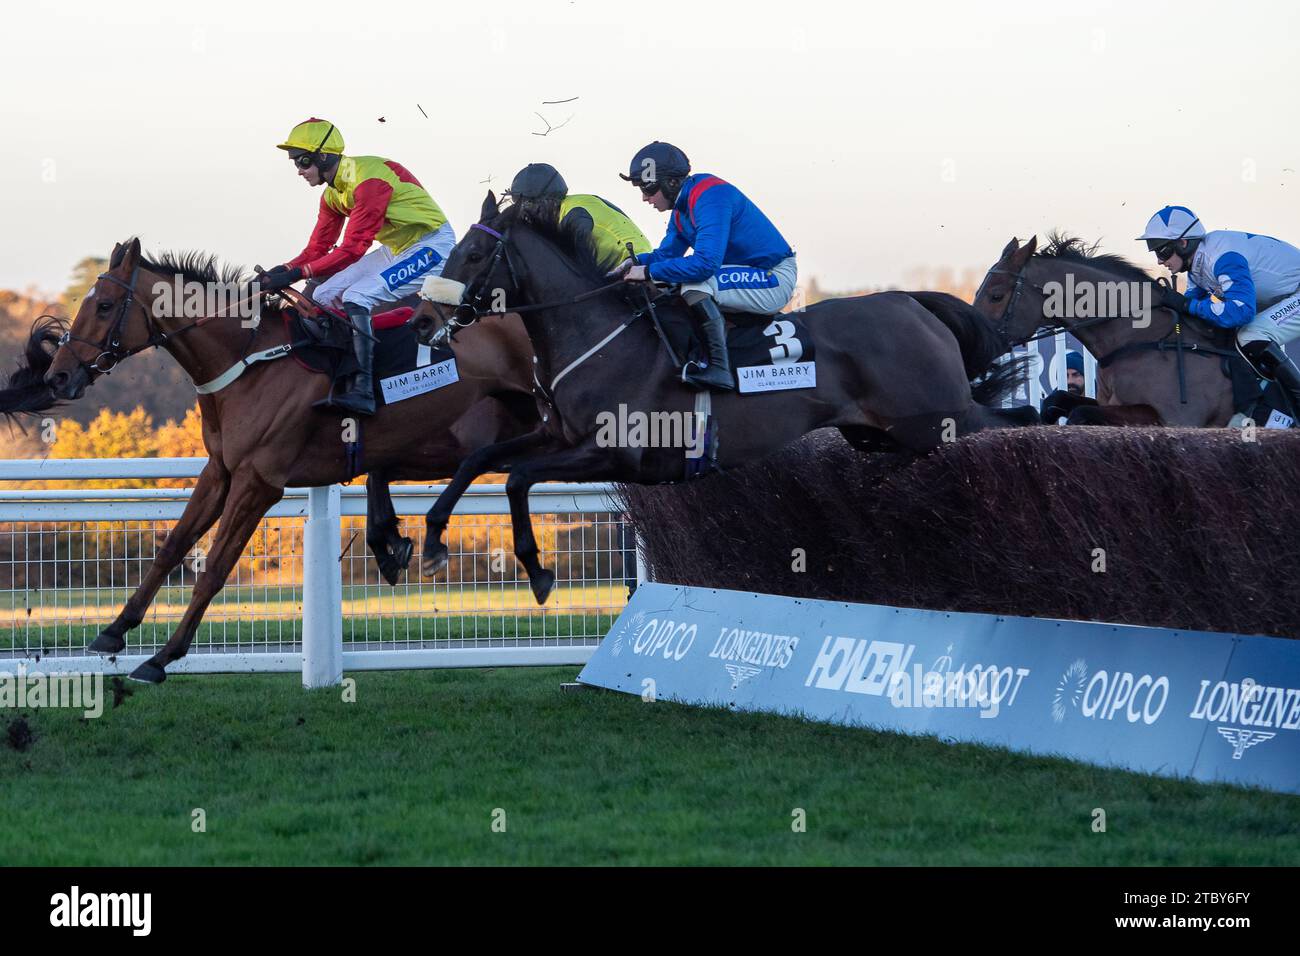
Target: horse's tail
x=26, y=392
x=1002, y=379
x=981, y=347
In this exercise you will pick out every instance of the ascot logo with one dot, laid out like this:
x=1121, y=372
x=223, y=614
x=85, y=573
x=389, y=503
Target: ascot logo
x=971, y=685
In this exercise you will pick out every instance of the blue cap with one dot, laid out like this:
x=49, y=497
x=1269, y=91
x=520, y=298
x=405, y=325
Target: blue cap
x=1074, y=361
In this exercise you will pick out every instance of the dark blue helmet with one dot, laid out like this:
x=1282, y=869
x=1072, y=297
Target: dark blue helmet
x=656, y=163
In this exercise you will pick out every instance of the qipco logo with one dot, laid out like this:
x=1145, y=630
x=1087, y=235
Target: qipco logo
x=667, y=639
x=1142, y=698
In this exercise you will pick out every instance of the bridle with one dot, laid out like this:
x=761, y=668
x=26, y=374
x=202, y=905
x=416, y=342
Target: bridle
x=110, y=350
x=1017, y=290
x=1021, y=280
x=470, y=309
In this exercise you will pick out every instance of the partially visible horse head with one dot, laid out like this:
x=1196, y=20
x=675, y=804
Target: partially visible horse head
x=59, y=362
x=1016, y=291
x=109, y=324
x=1006, y=291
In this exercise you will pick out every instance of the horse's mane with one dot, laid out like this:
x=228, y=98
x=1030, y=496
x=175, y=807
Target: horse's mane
x=1073, y=249
x=196, y=266
x=510, y=216
x=192, y=266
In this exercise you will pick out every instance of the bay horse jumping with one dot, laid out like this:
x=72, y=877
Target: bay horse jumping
x=1143, y=376
x=260, y=431
x=892, y=371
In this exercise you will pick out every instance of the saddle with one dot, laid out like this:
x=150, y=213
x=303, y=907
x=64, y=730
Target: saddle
x=1251, y=395
x=767, y=352
x=323, y=339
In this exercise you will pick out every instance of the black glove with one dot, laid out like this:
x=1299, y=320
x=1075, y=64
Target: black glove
x=1172, y=299
x=280, y=277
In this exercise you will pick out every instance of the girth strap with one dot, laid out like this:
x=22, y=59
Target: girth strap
x=236, y=370
x=589, y=353
x=1161, y=345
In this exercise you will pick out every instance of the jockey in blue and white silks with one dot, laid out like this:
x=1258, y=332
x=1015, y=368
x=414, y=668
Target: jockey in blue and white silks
x=739, y=260
x=1236, y=280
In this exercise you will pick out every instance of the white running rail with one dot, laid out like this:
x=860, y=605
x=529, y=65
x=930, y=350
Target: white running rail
x=306, y=595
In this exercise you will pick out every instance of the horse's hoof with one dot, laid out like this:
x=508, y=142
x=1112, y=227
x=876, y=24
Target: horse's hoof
x=149, y=673
x=433, y=561
x=392, y=564
x=107, y=643
x=402, y=556
x=542, y=583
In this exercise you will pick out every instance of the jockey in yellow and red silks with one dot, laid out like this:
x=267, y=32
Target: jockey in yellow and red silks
x=377, y=199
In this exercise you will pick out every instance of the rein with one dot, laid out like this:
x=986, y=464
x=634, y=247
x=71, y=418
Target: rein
x=111, y=353
x=467, y=313
x=503, y=249
x=471, y=311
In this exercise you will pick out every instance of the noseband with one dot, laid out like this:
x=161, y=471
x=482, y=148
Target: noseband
x=471, y=307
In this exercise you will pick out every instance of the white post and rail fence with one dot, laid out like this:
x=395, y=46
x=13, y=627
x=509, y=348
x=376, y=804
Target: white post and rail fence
x=305, y=595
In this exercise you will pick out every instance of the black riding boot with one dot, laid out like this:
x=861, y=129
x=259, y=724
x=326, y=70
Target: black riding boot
x=1272, y=362
x=360, y=400
x=717, y=374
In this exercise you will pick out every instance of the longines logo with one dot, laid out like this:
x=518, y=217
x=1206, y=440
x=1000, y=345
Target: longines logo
x=1248, y=705
x=1242, y=740
x=741, y=673
x=752, y=651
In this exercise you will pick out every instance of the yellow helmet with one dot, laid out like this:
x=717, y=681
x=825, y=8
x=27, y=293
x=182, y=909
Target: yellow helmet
x=314, y=136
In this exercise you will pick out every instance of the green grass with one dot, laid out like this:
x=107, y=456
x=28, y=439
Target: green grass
x=412, y=771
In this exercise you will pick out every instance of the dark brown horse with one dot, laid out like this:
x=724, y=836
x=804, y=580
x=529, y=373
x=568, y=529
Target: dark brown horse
x=1138, y=360
x=260, y=431
x=890, y=372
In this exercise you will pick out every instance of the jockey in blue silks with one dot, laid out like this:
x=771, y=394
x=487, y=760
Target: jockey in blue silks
x=739, y=261
x=1237, y=280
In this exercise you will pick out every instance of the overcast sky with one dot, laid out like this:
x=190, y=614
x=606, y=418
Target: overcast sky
x=879, y=137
